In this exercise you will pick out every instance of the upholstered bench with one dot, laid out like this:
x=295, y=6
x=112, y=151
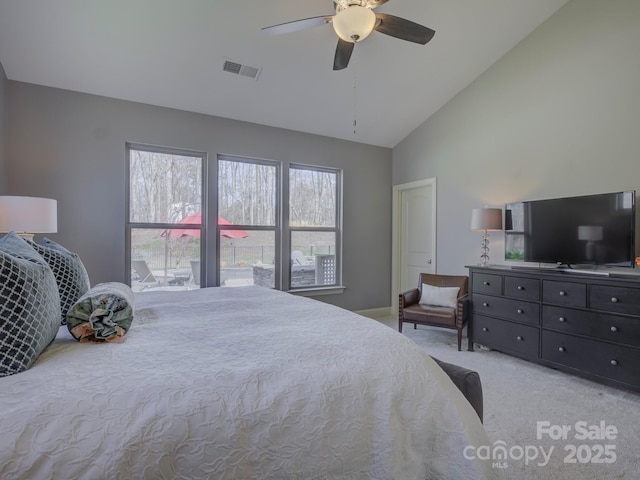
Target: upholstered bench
x=468, y=381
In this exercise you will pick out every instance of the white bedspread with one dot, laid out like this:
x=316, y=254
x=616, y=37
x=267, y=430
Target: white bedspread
x=238, y=383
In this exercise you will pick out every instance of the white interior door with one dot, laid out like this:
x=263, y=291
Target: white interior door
x=417, y=248
x=414, y=233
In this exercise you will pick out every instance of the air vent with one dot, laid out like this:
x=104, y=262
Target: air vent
x=240, y=69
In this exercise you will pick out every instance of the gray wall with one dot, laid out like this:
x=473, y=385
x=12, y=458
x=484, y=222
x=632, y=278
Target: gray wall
x=558, y=115
x=3, y=131
x=71, y=146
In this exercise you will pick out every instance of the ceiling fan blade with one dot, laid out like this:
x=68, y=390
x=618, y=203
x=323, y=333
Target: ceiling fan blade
x=343, y=54
x=297, y=25
x=403, y=29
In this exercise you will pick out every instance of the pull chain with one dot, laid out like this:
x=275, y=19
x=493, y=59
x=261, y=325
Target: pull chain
x=355, y=94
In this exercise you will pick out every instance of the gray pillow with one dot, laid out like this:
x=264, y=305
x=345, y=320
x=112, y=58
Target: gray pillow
x=71, y=276
x=29, y=305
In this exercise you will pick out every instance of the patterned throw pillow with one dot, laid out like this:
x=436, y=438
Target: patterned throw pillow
x=29, y=305
x=71, y=276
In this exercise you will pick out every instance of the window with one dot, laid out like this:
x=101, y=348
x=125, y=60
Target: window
x=314, y=206
x=248, y=197
x=164, y=228
x=248, y=192
x=260, y=226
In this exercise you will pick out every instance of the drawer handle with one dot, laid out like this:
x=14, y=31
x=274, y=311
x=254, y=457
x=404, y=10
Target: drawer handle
x=614, y=329
x=520, y=310
x=614, y=300
x=562, y=319
x=562, y=293
x=486, y=283
x=519, y=338
x=485, y=304
x=614, y=362
x=561, y=349
x=520, y=287
x=485, y=329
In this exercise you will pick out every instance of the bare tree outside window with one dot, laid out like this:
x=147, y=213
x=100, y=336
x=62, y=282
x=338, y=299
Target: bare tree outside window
x=312, y=198
x=164, y=188
x=247, y=192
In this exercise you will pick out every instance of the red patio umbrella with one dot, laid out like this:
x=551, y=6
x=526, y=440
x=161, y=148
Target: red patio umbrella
x=196, y=219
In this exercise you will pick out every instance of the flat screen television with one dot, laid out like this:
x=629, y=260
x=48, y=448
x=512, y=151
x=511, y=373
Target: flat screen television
x=585, y=230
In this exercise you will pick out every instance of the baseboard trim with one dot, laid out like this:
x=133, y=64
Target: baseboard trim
x=376, y=313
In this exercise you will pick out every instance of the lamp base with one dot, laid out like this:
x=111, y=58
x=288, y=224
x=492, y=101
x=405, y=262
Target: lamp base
x=26, y=236
x=484, y=249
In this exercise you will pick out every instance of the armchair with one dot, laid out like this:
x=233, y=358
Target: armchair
x=454, y=315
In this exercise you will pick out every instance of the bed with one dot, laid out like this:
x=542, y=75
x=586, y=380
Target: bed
x=238, y=383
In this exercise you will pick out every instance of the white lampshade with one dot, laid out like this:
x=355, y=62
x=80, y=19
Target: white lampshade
x=28, y=215
x=354, y=23
x=486, y=219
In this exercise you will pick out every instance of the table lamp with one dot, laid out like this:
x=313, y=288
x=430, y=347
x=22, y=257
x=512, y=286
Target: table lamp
x=28, y=215
x=484, y=220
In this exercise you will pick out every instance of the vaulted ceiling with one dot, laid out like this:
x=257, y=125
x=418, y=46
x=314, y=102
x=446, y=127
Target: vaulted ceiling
x=171, y=53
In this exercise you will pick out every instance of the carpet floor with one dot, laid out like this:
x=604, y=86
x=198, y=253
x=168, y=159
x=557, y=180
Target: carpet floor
x=552, y=425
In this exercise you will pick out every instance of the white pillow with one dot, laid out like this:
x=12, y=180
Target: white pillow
x=439, y=296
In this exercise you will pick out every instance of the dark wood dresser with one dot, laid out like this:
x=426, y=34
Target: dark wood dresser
x=577, y=322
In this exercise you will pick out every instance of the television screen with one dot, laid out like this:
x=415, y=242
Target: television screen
x=591, y=229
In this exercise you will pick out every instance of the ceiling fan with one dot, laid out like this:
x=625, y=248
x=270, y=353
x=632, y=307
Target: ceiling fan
x=353, y=21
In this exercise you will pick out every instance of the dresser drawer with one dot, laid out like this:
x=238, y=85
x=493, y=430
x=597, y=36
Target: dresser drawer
x=615, y=299
x=600, y=326
x=509, y=309
x=508, y=337
x=487, y=283
x=522, y=288
x=569, y=294
x=621, y=364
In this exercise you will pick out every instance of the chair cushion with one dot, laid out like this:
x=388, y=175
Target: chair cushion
x=439, y=296
x=430, y=314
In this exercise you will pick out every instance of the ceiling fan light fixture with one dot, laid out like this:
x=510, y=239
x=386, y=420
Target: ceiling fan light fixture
x=354, y=23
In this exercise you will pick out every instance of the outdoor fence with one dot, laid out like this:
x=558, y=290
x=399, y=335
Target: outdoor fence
x=238, y=256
